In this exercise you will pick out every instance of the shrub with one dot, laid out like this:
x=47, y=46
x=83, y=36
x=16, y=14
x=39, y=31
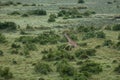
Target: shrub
x=5, y=73
x=30, y=46
x=58, y=55
x=80, y=76
x=25, y=15
x=47, y=38
x=91, y=67
x=119, y=36
x=83, y=44
x=116, y=27
x=2, y=38
x=1, y=53
x=42, y=68
x=15, y=45
x=25, y=39
x=81, y=1
x=8, y=25
x=88, y=35
x=65, y=69
x=38, y=12
x=84, y=53
x=107, y=43
x=52, y=18
x=14, y=13
x=100, y=34
x=117, y=69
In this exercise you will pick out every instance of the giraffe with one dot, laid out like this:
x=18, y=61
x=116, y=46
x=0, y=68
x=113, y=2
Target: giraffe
x=70, y=41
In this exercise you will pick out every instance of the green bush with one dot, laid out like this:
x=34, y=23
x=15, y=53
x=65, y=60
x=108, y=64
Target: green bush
x=91, y=67
x=2, y=38
x=81, y=1
x=42, y=68
x=47, y=38
x=15, y=45
x=8, y=25
x=65, y=69
x=58, y=55
x=117, y=45
x=25, y=39
x=1, y=53
x=14, y=13
x=116, y=27
x=80, y=76
x=117, y=69
x=100, y=34
x=119, y=36
x=25, y=15
x=5, y=73
x=52, y=18
x=30, y=46
x=88, y=35
x=84, y=53
x=108, y=43
x=38, y=12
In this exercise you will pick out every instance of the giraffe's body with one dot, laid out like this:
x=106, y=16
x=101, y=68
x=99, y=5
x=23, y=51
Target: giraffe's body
x=70, y=41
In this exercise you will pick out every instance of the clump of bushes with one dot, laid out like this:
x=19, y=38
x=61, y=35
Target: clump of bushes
x=14, y=13
x=8, y=25
x=15, y=45
x=58, y=55
x=47, y=38
x=2, y=38
x=30, y=46
x=85, y=53
x=1, y=53
x=5, y=73
x=108, y=43
x=100, y=34
x=91, y=67
x=65, y=69
x=25, y=15
x=81, y=1
x=38, y=12
x=119, y=36
x=89, y=35
x=52, y=18
x=93, y=34
x=116, y=27
x=25, y=39
x=117, y=69
x=42, y=68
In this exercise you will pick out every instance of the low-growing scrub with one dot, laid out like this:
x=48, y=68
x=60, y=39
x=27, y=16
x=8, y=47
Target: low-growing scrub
x=117, y=69
x=5, y=73
x=91, y=67
x=2, y=38
x=1, y=53
x=85, y=53
x=65, y=69
x=116, y=27
x=42, y=68
x=8, y=25
x=38, y=12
